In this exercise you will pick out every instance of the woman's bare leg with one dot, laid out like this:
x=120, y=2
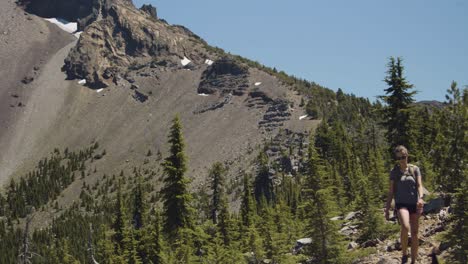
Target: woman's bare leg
x=403, y=214
x=414, y=222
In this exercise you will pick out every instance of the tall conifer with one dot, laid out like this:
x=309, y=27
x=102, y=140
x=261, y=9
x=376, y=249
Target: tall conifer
x=216, y=175
x=398, y=98
x=175, y=194
x=326, y=244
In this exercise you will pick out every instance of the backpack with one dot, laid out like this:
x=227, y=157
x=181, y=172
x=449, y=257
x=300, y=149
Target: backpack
x=411, y=171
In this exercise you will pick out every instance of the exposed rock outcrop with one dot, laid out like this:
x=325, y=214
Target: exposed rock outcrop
x=224, y=76
x=84, y=12
x=123, y=39
x=72, y=10
x=276, y=114
x=150, y=10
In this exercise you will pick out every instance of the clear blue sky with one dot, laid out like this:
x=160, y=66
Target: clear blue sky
x=338, y=43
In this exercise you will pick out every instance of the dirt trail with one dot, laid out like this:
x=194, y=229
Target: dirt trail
x=426, y=245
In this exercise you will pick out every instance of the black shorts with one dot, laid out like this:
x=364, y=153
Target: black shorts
x=411, y=207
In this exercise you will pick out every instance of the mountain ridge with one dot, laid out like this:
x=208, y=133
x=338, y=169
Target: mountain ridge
x=146, y=83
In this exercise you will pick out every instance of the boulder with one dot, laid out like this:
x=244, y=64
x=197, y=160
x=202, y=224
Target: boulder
x=352, y=215
x=444, y=214
x=140, y=97
x=389, y=260
x=352, y=245
x=336, y=218
x=150, y=10
x=300, y=243
x=27, y=79
x=434, y=205
x=347, y=231
x=435, y=229
x=444, y=245
x=304, y=241
x=371, y=243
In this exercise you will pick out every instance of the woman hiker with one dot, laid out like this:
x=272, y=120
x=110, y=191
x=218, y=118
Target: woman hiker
x=406, y=187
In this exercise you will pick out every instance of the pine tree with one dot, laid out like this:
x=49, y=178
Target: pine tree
x=247, y=205
x=224, y=221
x=458, y=234
x=263, y=186
x=267, y=228
x=398, y=99
x=118, y=224
x=183, y=244
x=254, y=244
x=372, y=222
x=326, y=244
x=454, y=148
x=138, y=205
x=216, y=175
x=175, y=194
x=130, y=251
x=154, y=241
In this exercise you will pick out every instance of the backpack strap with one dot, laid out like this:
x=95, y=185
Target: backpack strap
x=395, y=181
x=411, y=169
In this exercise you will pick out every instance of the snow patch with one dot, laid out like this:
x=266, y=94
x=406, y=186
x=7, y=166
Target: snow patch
x=99, y=90
x=203, y=94
x=185, y=61
x=82, y=82
x=69, y=27
x=77, y=34
x=258, y=83
x=209, y=62
x=302, y=117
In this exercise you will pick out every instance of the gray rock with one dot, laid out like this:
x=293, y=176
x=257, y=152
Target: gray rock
x=336, y=218
x=225, y=75
x=304, y=241
x=370, y=243
x=347, y=231
x=444, y=214
x=431, y=231
x=140, y=97
x=27, y=79
x=444, y=245
x=352, y=215
x=352, y=245
x=388, y=260
x=149, y=9
x=434, y=205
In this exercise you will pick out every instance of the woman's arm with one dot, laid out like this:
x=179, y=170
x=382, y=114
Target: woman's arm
x=389, y=199
x=420, y=186
x=420, y=204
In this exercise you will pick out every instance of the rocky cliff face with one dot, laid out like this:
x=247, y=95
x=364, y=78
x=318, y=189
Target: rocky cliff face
x=115, y=36
x=224, y=76
x=123, y=37
x=82, y=11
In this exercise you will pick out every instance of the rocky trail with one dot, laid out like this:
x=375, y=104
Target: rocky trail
x=430, y=225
